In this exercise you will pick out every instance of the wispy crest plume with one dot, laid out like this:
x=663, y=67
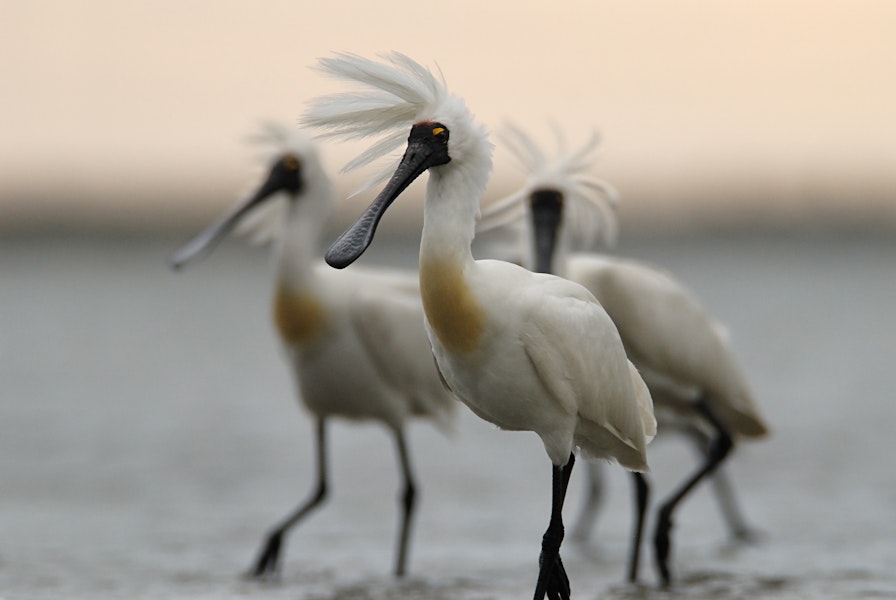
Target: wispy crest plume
x=392, y=95
x=590, y=203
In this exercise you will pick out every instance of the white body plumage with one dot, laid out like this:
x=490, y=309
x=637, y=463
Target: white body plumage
x=667, y=333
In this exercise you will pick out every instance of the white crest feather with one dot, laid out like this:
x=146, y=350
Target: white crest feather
x=390, y=97
x=590, y=203
x=394, y=95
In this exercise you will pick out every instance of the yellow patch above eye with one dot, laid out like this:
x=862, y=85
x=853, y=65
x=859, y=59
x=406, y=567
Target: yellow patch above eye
x=291, y=162
x=437, y=130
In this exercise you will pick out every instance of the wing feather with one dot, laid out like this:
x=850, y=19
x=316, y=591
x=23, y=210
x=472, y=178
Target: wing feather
x=389, y=323
x=579, y=359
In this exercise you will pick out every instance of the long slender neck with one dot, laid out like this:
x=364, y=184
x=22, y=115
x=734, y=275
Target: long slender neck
x=448, y=224
x=298, y=311
x=297, y=246
x=451, y=210
x=449, y=220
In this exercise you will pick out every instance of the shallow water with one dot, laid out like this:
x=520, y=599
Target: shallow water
x=149, y=435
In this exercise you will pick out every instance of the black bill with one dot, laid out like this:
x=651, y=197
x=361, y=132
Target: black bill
x=349, y=246
x=284, y=176
x=547, y=211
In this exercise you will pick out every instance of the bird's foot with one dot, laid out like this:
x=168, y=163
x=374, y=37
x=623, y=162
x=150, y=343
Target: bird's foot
x=267, y=566
x=558, y=582
x=553, y=580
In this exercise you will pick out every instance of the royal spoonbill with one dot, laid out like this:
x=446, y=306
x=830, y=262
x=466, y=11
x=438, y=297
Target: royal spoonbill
x=355, y=340
x=683, y=353
x=525, y=351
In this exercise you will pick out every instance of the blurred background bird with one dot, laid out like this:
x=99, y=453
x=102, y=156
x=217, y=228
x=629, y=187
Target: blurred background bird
x=683, y=354
x=354, y=340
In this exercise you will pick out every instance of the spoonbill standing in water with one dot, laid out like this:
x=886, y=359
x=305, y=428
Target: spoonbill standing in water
x=682, y=352
x=525, y=351
x=355, y=340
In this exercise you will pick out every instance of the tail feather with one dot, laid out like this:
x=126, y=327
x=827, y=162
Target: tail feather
x=645, y=403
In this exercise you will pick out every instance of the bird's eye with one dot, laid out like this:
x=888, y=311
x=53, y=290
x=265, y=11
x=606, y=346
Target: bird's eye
x=291, y=162
x=440, y=132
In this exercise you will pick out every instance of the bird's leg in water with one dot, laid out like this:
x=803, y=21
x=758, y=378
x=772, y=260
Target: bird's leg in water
x=552, y=578
x=718, y=450
x=407, y=504
x=268, y=560
x=642, y=494
x=738, y=528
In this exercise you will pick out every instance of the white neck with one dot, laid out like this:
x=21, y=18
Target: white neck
x=455, y=317
x=452, y=207
x=298, y=244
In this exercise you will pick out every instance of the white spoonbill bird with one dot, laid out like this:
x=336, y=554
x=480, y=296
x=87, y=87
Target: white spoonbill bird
x=355, y=340
x=682, y=352
x=525, y=351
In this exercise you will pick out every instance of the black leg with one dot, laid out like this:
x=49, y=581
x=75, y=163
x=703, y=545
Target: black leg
x=738, y=528
x=407, y=504
x=718, y=450
x=642, y=493
x=552, y=578
x=267, y=563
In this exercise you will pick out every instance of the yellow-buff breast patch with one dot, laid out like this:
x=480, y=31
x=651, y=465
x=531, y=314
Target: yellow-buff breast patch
x=455, y=317
x=299, y=317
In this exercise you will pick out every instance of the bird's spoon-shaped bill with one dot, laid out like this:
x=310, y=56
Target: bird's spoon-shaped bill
x=349, y=246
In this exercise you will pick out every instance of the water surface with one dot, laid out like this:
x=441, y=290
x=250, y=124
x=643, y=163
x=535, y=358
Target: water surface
x=149, y=435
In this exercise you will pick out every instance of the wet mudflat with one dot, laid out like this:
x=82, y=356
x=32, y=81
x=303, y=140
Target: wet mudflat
x=149, y=435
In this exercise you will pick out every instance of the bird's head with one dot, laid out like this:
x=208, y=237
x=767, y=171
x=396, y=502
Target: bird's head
x=293, y=168
x=560, y=199
x=402, y=103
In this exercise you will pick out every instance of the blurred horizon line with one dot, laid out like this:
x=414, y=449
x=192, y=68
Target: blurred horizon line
x=682, y=210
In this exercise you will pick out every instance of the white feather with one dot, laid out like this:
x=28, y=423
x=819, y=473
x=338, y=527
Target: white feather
x=590, y=203
x=392, y=96
x=389, y=98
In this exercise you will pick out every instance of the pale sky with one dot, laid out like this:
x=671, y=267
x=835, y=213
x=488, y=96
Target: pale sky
x=770, y=111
